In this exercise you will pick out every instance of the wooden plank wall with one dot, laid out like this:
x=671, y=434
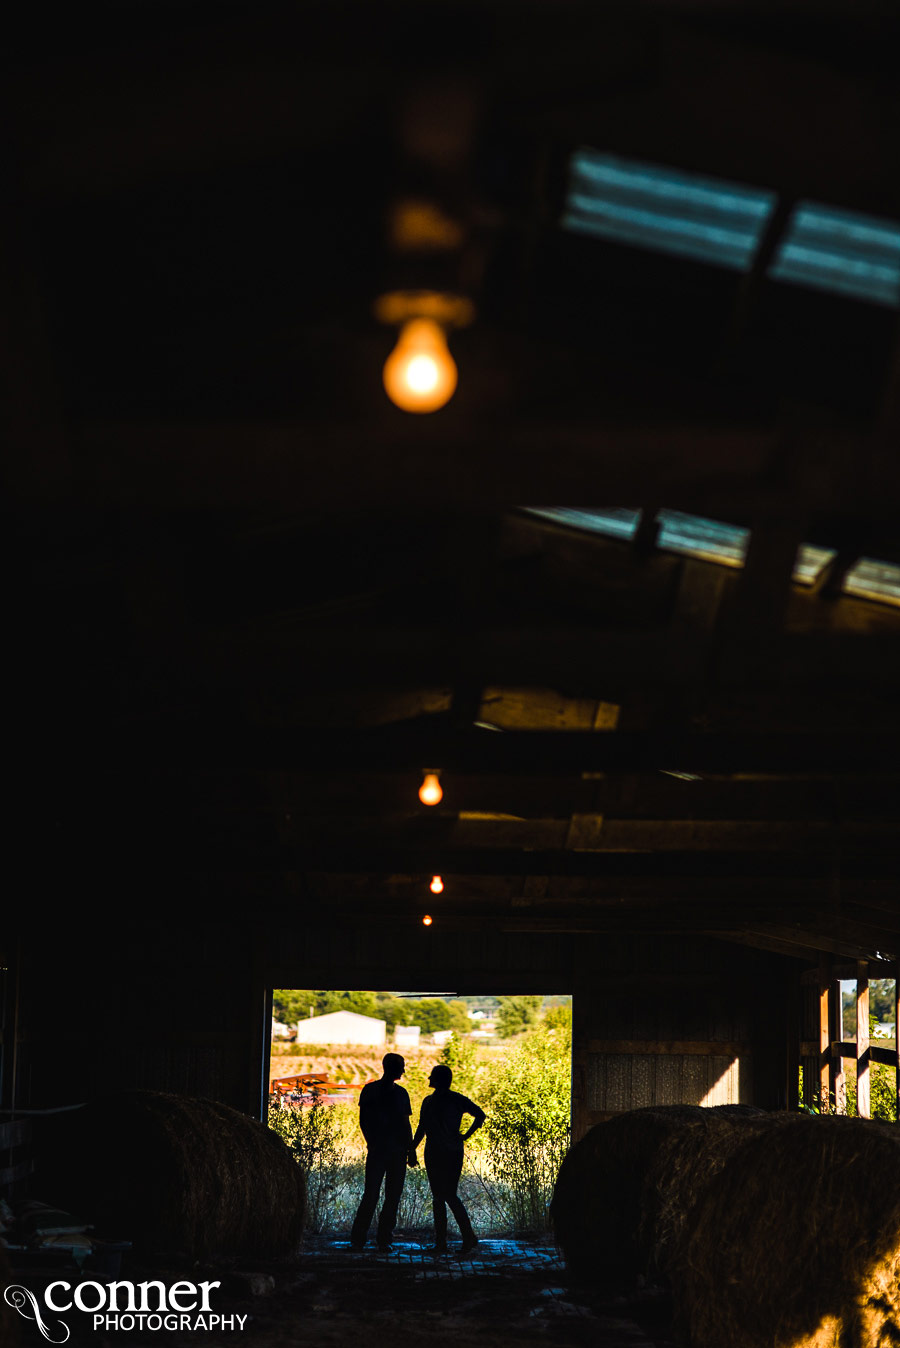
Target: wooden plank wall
x=668, y=1022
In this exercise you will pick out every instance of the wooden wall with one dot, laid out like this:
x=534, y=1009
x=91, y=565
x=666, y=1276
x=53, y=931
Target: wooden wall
x=176, y=999
x=678, y=1021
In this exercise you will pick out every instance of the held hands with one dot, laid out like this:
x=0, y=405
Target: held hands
x=412, y=1159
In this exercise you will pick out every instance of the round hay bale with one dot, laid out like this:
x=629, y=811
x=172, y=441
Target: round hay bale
x=682, y=1168
x=795, y=1243
x=740, y=1111
x=178, y=1175
x=598, y=1195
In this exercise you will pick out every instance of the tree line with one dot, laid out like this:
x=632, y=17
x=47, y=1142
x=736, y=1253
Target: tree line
x=881, y=1004
x=515, y=1014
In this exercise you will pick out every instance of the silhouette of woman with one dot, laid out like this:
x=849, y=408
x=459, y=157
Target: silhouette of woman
x=439, y=1122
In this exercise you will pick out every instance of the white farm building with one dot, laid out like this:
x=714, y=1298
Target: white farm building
x=341, y=1027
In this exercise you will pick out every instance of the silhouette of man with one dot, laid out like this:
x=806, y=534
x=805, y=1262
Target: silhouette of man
x=384, y=1117
x=439, y=1121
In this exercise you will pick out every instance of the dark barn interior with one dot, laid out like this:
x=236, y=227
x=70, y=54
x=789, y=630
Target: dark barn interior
x=249, y=601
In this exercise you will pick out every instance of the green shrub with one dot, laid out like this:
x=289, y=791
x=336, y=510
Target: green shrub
x=528, y=1102
x=882, y=1097
x=316, y=1135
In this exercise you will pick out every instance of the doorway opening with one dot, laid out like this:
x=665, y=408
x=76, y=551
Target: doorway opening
x=510, y=1054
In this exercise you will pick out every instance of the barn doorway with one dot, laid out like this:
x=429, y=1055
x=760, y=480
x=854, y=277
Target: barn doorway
x=509, y=1053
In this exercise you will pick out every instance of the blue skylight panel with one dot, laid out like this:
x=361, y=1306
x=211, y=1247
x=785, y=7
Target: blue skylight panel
x=665, y=210
x=874, y=580
x=809, y=563
x=727, y=544
x=617, y=522
x=841, y=251
x=698, y=537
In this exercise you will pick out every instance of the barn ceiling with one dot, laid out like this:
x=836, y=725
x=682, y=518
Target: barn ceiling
x=249, y=601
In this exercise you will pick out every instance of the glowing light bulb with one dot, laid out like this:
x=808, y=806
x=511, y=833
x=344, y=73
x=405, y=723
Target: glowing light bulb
x=420, y=373
x=427, y=920
x=430, y=792
x=437, y=885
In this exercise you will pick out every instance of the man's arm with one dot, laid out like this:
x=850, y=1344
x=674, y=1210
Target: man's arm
x=411, y=1157
x=365, y=1115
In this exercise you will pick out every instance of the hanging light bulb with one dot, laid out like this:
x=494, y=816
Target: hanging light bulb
x=420, y=374
x=430, y=792
x=427, y=920
x=437, y=885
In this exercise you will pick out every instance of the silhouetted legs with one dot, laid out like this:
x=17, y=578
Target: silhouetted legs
x=381, y=1165
x=444, y=1169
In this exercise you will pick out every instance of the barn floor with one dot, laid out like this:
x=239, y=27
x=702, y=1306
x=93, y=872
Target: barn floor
x=508, y=1294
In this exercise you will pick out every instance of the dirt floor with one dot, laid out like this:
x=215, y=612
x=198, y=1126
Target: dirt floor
x=506, y=1294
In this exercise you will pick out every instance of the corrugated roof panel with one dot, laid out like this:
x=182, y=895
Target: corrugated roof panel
x=617, y=522
x=665, y=209
x=713, y=541
x=809, y=563
x=698, y=537
x=874, y=580
x=841, y=251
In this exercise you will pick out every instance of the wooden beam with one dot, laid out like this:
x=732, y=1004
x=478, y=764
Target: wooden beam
x=755, y=616
x=866, y=807
x=847, y=1049
x=897, y=1036
x=837, y=1079
x=807, y=940
x=825, y=981
x=824, y=754
x=809, y=871
x=717, y=471
x=792, y=1035
x=583, y=830
x=863, y=1093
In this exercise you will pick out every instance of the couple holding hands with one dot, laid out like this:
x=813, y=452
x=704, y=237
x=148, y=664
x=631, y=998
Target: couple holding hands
x=384, y=1117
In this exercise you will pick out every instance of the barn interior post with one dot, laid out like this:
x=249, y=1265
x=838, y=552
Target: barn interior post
x=9, y=1022
x=825, y=1072
x=580, y=1122
x=259, y=1081
x=794, y=1023
x=838, y=1082
x=863, y=1097
x=897, y=1035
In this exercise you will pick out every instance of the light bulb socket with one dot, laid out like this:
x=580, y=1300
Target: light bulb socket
x=445, y=308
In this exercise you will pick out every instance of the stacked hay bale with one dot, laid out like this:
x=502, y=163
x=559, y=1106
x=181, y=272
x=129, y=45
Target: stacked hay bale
x=622, y=1191
x=596, y=1209
x=680, y=1171
x=178, y=1175
x=796, y=1242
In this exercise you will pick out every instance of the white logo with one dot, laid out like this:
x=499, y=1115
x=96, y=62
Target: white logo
x=146, y=1306
x=19, y=1298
